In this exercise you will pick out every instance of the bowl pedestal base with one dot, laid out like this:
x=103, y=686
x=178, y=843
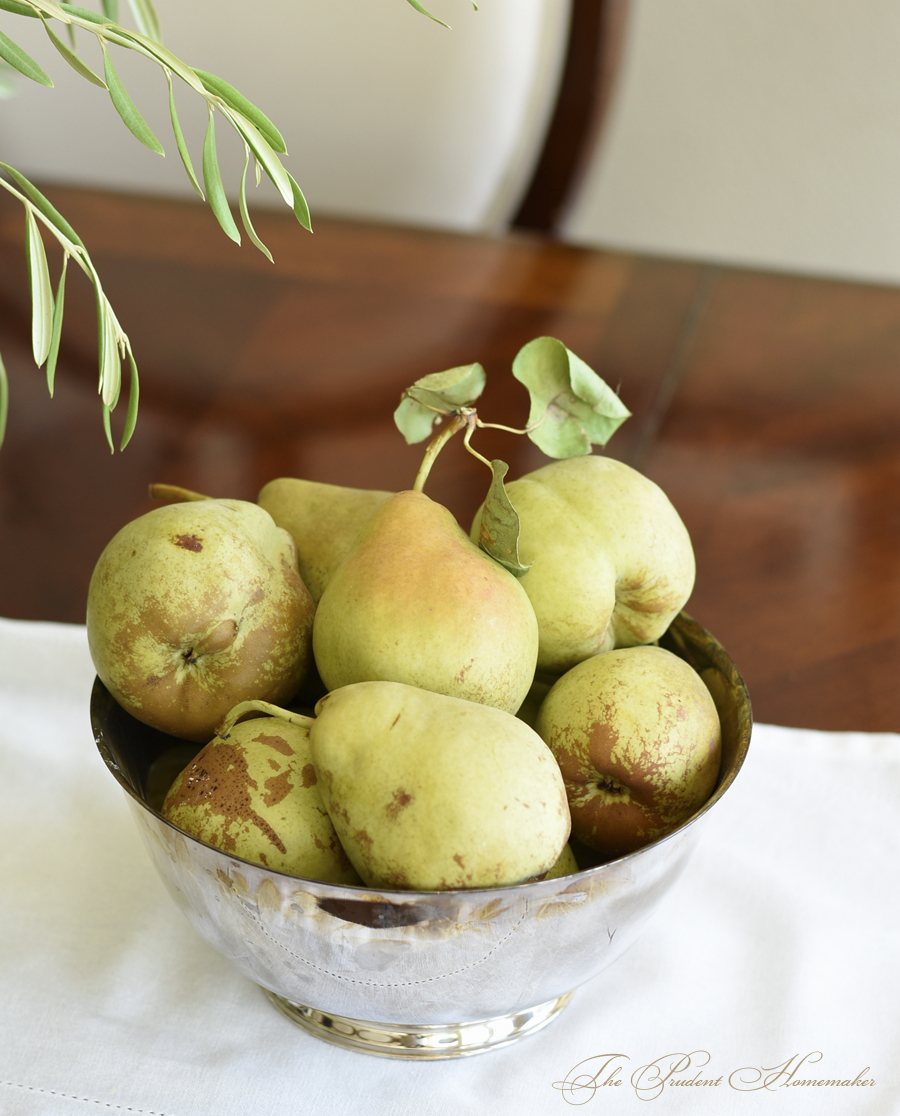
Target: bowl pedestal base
x=426, y=1042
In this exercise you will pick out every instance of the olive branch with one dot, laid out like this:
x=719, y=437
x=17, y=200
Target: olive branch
x=262, y=142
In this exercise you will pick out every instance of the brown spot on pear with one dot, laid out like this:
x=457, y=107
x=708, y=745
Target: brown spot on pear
x=233, y=798
x=454, y=795
x=638, y=741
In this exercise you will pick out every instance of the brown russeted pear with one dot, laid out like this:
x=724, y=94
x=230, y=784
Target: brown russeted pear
x=254, y=795
x=322, y=519
x=416, y=601
x=611, y=563
x=637, y=738
x=429, y=792
x=194, y=607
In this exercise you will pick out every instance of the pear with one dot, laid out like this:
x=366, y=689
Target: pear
x=611, y=563
x=416, y=601
x=566, y=865
x=254, y=795
x=322, y=519
x=429, y=792
x=194, y=607
x=637, y=738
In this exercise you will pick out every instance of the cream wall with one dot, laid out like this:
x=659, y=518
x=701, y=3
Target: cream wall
x=764, y=132
x=386, y=114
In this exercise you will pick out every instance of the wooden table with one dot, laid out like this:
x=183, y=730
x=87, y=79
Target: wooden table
x=767, y=407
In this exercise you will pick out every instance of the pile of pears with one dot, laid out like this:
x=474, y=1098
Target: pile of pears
x=385, y=700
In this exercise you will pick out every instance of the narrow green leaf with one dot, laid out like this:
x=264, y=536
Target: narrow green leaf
x=264, y=152
x=127, y=109
x=212, y=180
x=133, y=394
x=110, y=360
x=107, y=427
x=56, y=327
x=499, y=529
x=18, y=9
x=86, y=14
x=146, y=18
x=17, y=58
x=72, y=58
x=41, y=292
x=301, y=209
x=43, y=206
x=179, y=138
x=4, y=400
x=245, y=213
x=111, y=10
x=236, y=100
x=425, y=12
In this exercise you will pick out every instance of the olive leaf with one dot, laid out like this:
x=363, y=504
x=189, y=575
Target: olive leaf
x=434, y=396
x=41, y=293
x=239, y=102
x=571, y=407
x=499, y=529
x=56, y=219
x=212, y=179
x=245, y=213
x=56, y=325
x=13, y=54
x=18, y=9
x=72, y=58
x=301, y=209
x=133, y=394
x=179, y=138
x=127, y=109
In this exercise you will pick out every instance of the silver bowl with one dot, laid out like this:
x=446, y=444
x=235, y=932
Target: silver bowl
x=415, y=974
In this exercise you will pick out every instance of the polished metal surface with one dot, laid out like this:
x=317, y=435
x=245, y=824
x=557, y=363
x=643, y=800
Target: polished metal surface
x=422, y=1043
x=419, y=963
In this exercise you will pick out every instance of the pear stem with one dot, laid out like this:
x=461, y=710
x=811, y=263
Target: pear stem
x=467, y=438
x=175, y=492
x=257, y=706
x=459, y=420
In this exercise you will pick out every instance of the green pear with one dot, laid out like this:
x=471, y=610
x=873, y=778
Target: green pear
x=637, y=738
x=322, y=519
x=611, y=562
x=254, y=795
x=194, y=607
x=565, y=866
x=429, y=792
x=416, y=601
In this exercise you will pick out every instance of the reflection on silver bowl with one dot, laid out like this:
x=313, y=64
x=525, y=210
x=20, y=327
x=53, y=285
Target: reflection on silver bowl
x=414, y=974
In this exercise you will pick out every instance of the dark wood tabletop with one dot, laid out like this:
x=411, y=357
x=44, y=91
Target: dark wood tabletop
x=767, y=407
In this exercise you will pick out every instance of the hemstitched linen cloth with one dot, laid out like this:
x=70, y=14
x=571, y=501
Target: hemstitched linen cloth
x=771, y=966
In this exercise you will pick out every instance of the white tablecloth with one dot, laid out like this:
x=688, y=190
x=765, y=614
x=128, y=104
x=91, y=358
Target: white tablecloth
x=774, y=961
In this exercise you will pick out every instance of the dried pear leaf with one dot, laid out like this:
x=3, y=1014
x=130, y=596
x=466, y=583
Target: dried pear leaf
x=572, y=408
x=436, y=395
x=499, y=529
